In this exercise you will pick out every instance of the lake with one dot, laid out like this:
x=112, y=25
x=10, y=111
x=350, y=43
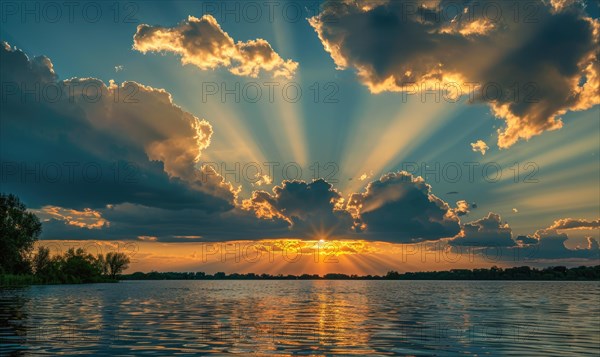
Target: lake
x=374, y=318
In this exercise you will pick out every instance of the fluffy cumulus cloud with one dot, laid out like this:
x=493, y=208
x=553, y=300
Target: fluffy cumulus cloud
x=462, y=208
x=401, y=208
x=86, y=144
x=105, y=161
x=551, y=245
x=202, y=43
x=488, y=231
x=314, y=208
x=480, y=146
x=544, y=244
x=529, y=72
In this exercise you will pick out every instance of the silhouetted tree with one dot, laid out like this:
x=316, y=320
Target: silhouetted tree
x=80, y=267
x=19, y=230
x=494, y=273
x=117, y=263
x=41, y=261
x=102, y=264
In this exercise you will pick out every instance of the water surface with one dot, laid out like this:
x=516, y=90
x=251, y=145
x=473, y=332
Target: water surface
x=321, y=318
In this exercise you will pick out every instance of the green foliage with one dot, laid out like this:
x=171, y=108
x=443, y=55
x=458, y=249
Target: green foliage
x=81, y=267
x=74, y=267
x=19, y=230
x=17, y=280
x=78, y=266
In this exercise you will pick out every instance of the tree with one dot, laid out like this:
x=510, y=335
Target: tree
x=48, y=268
x=19, y=230
x=80, y=267
x=117, y=263
x=102, y=264
x=41, y=261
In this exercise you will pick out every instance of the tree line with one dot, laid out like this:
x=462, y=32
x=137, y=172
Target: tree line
x=20, y=263
x=493, y=273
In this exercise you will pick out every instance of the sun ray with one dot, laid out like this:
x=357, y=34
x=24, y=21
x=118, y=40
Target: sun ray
x=411, y=125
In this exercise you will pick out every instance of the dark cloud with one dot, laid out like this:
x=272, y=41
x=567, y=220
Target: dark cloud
x=309, y=208
x=137, y=222
x=485, y=232
x=79, y=143
x=552, y=246
x=525, y=240
x=400, y=208
x=553, y=58
x=488, y=236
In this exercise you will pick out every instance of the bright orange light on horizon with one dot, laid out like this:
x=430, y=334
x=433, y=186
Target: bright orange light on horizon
x=280, y=256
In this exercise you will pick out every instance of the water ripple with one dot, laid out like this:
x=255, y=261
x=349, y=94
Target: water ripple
x=304, y=318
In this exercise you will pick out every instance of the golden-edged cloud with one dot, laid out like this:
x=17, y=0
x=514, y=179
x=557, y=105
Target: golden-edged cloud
x=130, y=133
x=401, y=208
x=87, y=218
x=488, y=231
x=480, y=146
x=202, y=43
x=314, y=208
x=572, y=223
x=529, y=72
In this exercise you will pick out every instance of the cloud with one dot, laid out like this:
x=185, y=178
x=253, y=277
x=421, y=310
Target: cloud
x=485, y=232
x=366, y=176
x=552, y=246
x=571, y=223
x=86, y=144
x=549, y=243
x=462, y=208
x=526, y=240
x=544, y=244
x=314, y=208
x=593, y=244
x=479, y=146
x=202, y=43
x=400, y=45
x=262, y=180
x=88, y=218
x=130, y=221
x=147, y=238
x=401, y=208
